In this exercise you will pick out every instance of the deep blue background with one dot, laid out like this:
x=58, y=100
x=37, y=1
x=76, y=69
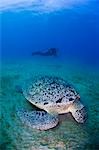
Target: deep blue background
x=75, y=32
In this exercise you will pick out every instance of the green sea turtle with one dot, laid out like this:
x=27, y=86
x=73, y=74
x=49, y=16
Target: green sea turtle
x=54, y=96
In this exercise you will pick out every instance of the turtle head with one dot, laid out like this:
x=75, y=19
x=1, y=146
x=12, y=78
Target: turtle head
x=78, y=111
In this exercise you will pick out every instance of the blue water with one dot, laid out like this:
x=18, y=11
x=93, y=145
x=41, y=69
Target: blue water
x=75, y=32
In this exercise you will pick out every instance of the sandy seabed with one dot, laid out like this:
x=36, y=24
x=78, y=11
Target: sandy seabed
x=68, y=135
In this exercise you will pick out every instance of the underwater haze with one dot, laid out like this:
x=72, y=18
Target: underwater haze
x=70, y=26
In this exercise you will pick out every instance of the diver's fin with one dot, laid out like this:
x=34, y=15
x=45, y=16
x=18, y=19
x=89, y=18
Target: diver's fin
x=38, y=119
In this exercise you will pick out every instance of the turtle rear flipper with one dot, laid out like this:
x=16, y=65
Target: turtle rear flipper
x=38, y=119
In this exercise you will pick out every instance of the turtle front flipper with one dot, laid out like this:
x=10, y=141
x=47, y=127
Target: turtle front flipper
x=38, y=119
x=78, y=111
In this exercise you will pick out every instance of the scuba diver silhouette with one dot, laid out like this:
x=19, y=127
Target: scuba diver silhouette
x=49, y=52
